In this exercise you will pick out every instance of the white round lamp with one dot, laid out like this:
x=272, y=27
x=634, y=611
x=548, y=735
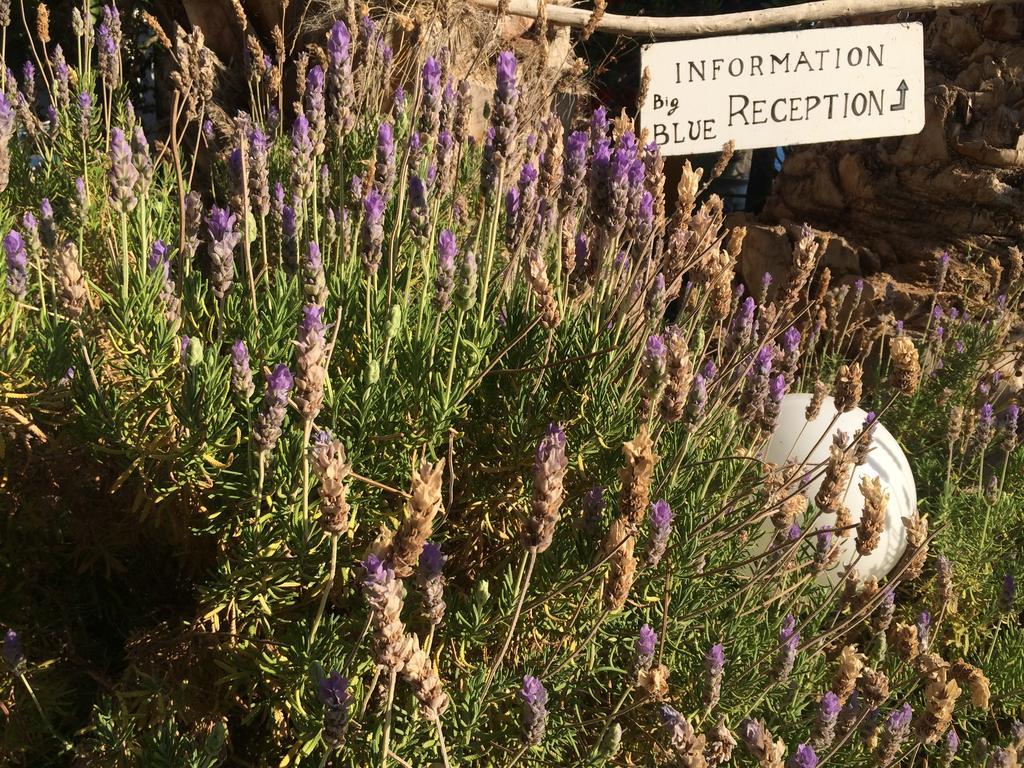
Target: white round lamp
x=805, y=442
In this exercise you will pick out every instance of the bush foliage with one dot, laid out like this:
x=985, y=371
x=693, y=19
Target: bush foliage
x=377, y=442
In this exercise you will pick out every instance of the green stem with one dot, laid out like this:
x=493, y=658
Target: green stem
x=124, y=258
x=531, y=558
x=387, y=721
x=327, y=589
x=455, y=353
x=42, y=714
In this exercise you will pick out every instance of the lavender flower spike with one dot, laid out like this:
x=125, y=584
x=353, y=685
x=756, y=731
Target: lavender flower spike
x=431, y=582
x=337, y=700
x=646, y=641
x=803, y=757
x=123, y=175
x=311, y=355
x=17, y=264
x=825, y=723
x=372, y=233
x=714, y=666
x=789, y=640
x=223, y=239
x=12, y=652
x=549, y=467
x=661, y=528
x=445, y=283
x=269, y=421
x=503, y=117
x=241, y=371
x=535, y=713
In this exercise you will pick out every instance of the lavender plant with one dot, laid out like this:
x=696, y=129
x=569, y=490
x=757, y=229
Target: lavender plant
x=378, y=442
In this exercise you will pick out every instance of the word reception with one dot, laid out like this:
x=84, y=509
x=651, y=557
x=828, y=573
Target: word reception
x=785, y=88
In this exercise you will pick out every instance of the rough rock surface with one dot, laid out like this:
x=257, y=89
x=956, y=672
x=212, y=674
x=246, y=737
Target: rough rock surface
x=895, y=204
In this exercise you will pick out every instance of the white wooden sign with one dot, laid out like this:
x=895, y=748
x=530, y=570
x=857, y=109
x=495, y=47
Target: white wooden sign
x=785, y=88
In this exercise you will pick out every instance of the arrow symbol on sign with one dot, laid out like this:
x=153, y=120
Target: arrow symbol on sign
x=902, y=88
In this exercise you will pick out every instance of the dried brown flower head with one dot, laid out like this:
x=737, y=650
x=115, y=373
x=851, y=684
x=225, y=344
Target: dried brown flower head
x=833, y=486
x=330, y=464
x=720, y=742
x=678, y=375
x=848, y=388
x=975, y=680
x=817, y=398
x=71, y=288
x=848, y=668
x=906, y=372
x=654, y=681
x=423, y=505
x=636, y=475
x=916, y=553
x=620, y=544
x=872, y=521
x=873, y=686
x=905, y=641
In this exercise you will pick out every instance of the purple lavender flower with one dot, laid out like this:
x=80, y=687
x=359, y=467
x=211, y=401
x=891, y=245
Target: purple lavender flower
x=574, y=170
x=62, y=75
x=384, y=170
x=714, y=667
x=340, y=86
x=598, y=126
x=47, y=225
x=268, y=422
x=158, y=259
x=772, y=406
x=593, y=508
x=316, y=108
x=17, y=264
x=985, y=430
x=430, y=121
x=12, y=652
x=696, y=402
x=241, y=371
x=709, y=371
x=372, y=233
x=789, y=641
x=535, y=713
x=654, y=363
x=499, y=139
x=1007, y=593
x=432, y=559
x=375, y=570
x=445, y=283
x=895, y=729
x=6, y=132
x=123, y=174
x=824, y=732
x=824, y=550
x=303, y=157
x=790, y=351
x=108, y=45
x=661, y=528
x=334, y=695
x=923, y=624
x=259, y=176
x=419, y=211
x=333, y=691
x=521, y=207
x=803, y=757
x=646, y=642
x=223, y=239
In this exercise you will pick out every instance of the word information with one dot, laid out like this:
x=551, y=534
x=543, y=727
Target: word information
x=785, y=88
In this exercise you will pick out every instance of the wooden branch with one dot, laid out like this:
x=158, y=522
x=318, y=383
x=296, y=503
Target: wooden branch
x=727, y=23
